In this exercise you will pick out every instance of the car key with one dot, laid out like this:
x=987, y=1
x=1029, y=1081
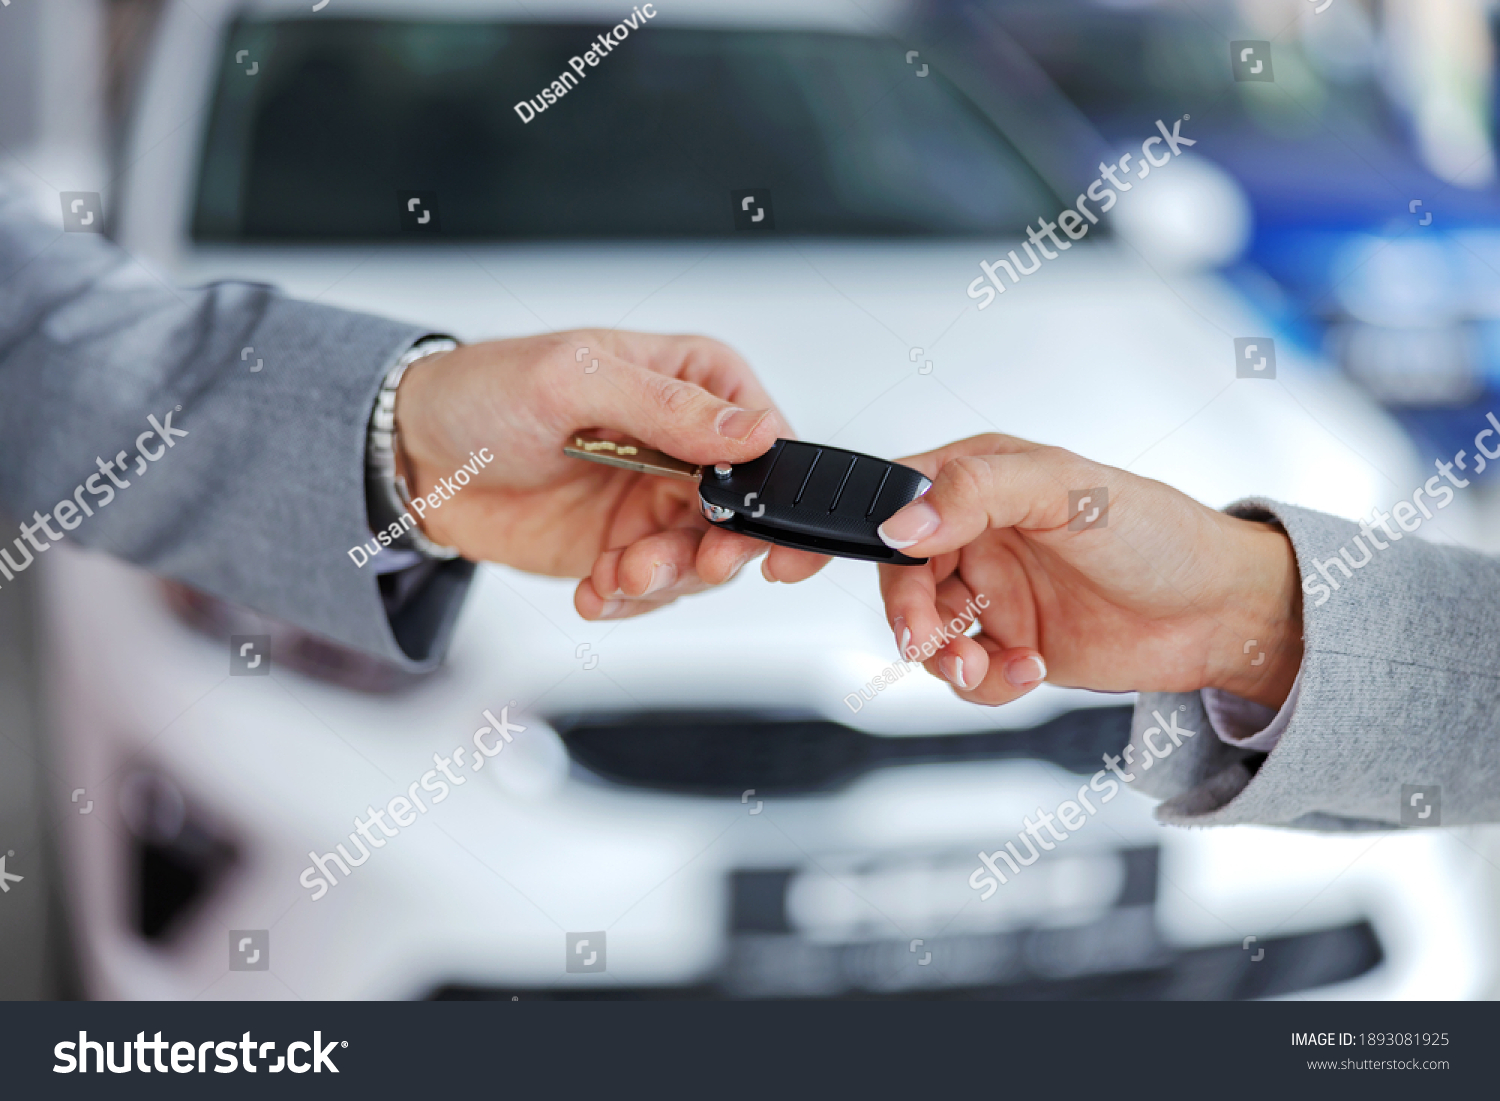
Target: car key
x=820, y=499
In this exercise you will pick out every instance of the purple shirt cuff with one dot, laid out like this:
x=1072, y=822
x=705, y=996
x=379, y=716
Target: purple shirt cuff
x=1248, y=725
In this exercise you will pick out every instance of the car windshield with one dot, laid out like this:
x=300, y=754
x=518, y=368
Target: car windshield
x=316, y=126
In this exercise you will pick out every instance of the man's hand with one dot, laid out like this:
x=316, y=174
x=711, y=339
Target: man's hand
x=637, y=541
x=1165, y=595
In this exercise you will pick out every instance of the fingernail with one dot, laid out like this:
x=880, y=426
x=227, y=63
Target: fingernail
x=765, y=571
x=737, y=424
x=953, y=669
x=741, y=564
x=662, y=575
x=611, y=607
x=903, y=636
x=1024, y=672
x=910, y=526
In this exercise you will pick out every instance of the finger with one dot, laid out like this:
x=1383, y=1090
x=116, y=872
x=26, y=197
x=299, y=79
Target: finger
x=632, y=608
x=663, y=566
x=1010, y=673
x=708, y=363
x=972, y=494
x=988, y=443
x=955, y=605
x=981, y=668
x=916, y=623
x=1002, y=592
x=723, y=554
x=671, y=414
x=910, y=596
x=704, y=364
x=591, y=606
x=789, y=565
x=963, y=663
x=1014, y=671
x=648, y=566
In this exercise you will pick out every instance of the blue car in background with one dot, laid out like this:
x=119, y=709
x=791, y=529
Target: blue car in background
x=1376, y=220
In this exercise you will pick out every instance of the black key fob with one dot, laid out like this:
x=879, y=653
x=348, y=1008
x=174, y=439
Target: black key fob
x=821, y=499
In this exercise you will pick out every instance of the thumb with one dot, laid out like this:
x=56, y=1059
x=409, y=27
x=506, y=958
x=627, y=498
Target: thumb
x=679, y=417
x=973, y=493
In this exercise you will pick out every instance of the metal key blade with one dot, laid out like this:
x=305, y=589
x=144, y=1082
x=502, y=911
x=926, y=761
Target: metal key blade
x=631, y=456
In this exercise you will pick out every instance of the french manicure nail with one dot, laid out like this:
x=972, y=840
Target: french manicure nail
x=737, y=424
x=662, y=575
x=1024, y=672
x=765, y=570
x=953, y=669
x=903, y=635
x=910, y=526
x=611, y=607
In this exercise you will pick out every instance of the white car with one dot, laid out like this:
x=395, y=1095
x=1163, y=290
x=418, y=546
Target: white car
x=701, y=801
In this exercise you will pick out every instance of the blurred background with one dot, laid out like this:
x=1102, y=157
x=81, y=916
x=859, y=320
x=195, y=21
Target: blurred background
x=714, y=797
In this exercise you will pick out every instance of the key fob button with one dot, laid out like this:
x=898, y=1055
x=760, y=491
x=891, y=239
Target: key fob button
x=786, y=473
x=822, y=482
x=868, y=478
x=822, y=499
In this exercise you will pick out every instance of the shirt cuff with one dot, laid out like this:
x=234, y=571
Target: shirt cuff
x=1246, y=724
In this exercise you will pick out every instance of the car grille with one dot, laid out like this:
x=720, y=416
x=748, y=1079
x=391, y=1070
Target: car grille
x=1222, y=972
x=724, y=753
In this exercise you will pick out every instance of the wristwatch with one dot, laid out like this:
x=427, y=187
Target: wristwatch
x=387, y=497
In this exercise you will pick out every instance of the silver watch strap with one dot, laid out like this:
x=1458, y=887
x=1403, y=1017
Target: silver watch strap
x=388, y=498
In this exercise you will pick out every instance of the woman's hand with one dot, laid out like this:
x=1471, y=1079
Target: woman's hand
x=637, y=541
x=1158, y=593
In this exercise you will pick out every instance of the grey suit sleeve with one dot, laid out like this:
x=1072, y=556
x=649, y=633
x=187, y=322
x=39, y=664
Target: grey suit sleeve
x=261, y=499
x=1400, y=687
